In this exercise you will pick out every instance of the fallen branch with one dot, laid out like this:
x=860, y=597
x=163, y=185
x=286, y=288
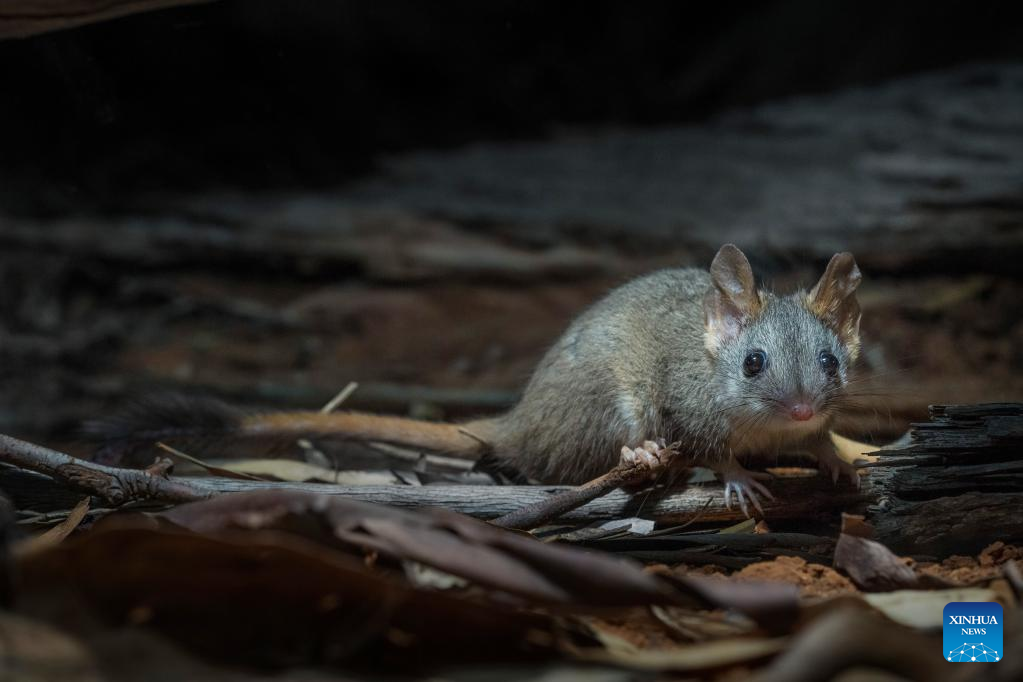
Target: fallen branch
x=798, y=498
x=113, y=484
x=960, y=469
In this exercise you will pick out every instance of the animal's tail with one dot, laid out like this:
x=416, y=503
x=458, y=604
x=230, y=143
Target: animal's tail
x=177, y=419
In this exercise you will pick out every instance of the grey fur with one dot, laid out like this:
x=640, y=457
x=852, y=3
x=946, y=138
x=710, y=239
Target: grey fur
x=635, y=366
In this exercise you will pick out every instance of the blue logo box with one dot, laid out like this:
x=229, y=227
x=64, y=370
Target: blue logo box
x=972, y=632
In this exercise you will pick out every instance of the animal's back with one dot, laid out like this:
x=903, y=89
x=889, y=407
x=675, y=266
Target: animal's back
x=608, y=381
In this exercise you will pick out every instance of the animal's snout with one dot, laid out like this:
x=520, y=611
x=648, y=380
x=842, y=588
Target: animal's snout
x=801, y=412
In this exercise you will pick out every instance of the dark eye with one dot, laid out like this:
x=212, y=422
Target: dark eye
x=754, y=363
x=829, y=363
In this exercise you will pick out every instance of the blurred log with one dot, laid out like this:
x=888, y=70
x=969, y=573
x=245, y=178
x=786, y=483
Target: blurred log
x=384, y=245
x=957, y=487
x=921, y=173
x=30, y=17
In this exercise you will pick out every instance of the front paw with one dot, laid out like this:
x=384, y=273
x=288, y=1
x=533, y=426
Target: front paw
x=834, y=467
x=745, y=487
x=651, y=455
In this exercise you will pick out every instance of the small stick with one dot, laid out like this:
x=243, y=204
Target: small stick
x=332, y=404
x=539, y=513
x=342, y=396
x=114, y=484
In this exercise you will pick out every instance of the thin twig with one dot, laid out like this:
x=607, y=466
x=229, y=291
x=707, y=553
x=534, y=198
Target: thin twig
x=539, y=513
x=311, y=453
x=342, y=396
x=215, y=470
x=114, y=484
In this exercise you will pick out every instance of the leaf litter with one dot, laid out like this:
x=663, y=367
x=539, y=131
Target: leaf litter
x=254, y=585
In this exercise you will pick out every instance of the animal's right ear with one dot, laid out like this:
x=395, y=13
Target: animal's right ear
x=833, y=300
x=732, y=300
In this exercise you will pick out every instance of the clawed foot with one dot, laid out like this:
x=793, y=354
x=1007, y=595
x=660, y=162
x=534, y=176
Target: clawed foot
x=834, y=467
x=651, y=455
x=745, y=486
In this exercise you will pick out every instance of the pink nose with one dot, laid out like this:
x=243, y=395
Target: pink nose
x=801, y=412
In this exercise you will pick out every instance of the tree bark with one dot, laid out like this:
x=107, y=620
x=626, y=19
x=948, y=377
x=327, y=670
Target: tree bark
x=957, y=487
x=115, y=484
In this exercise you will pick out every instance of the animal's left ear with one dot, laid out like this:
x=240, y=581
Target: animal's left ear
x=732, y=299
x=833, y=300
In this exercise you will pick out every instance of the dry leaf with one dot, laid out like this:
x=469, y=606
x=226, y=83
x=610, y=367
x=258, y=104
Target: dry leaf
x=225, y=472
x=852, y=638
x=701, y=626
x=746, y=526
x=850, y=450
x=705, y=656
x=922, y=609
x=268, y=598
x=54, y=536
x=299, y=472
x=483, y=554
x=872, y=566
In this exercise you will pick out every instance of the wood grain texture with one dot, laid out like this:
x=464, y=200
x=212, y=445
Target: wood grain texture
x=958, y=486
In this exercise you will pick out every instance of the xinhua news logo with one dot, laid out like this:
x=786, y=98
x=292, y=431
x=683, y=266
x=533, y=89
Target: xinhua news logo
x=972, y=632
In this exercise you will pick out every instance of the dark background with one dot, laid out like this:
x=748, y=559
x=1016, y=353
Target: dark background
x=266, y=200
x=308, y=93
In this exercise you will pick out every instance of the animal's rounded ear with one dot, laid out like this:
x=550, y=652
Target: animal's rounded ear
x=732, y=300
x=833, y=299
x=732, y=274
